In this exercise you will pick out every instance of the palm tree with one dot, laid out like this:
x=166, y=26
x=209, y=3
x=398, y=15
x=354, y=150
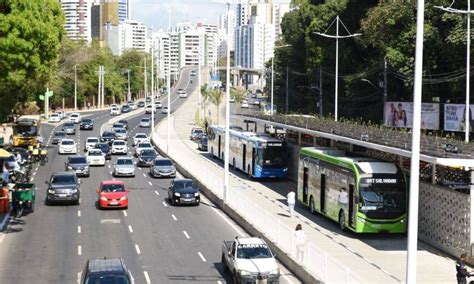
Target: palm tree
x=215, y=96
x=205, y=93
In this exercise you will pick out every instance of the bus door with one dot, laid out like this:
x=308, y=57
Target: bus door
x=244, y=156
x=252, y=169
x=305, y=185
x=352, y=203
x=322, y=194
x=219, y=147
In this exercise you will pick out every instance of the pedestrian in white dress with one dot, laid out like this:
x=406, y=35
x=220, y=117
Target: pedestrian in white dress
x=291, y=200
x=300, y=242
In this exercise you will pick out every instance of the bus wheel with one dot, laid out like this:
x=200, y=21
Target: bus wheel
x=342, y=220
x=233, y=163
x=248, y=172
x=311, y=205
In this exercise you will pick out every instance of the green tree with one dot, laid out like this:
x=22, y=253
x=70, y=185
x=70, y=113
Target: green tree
x=30, y=38
x=215, y=97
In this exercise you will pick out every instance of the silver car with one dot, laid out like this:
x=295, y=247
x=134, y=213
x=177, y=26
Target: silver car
x=121, y=134
x=163, y=167
x=124, y=166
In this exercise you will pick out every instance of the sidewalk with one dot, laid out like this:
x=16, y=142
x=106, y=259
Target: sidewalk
x=329, y=256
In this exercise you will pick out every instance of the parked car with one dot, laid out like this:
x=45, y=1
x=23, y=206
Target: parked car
x=183, y=191
x=244, y=104
x=148, y=109
x=112, y=194
x=95, y=157
x=196, y=133
x=58, y=136
x=67, y=146
x=77, y=164
x=124, y=166
x=202, y=143
x=119, y=147
x=75, y=118
x=141, y=146
x=105, y=148
x=164, y=110
x=124, y=122
x=141, y=104
x=163, y=167
x=158, y=105
x=69, y=128
x=86, y=124
x=107, y=137
x=181, y=93
x=145, y=122
x=121, y=134
x=146, y=157
x=54, y=117
x=125, y=109
x=63, y=187
x=114, y=111
x=90, y=143
x=140, y=137
x=106, y=270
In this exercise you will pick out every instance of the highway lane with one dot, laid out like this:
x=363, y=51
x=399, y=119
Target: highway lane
x=159, y=243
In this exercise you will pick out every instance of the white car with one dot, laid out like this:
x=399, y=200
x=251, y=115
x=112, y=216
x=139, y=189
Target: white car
x=54, y=117
x=75, y=118
x=67, y=146
x=164, y=109
x=95, y=157
x=244, y=104
x=158, y=104
x=90, y=143
x=119, y=147
x=145, y=122
x=114, y=106
x=139, y=138
x=141, y=146
x=181, y=93
x=148, y=109
x=114, y=111
x=132, y=105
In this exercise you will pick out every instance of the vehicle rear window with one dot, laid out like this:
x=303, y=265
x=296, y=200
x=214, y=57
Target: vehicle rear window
x=119, y=143
x=107, y=279
x=60, y=134
x=121, y=130
x=140, y=136
x=148, y=153
x=95, y=153
x=251, y=251
x=144, y=145
x=92, y=140
x=184, y=185
x=163, y=163
x=78, y=160
x=63, y=179
x=107, y=134
x=112, y=188
x=67, y=142
x=145, y=119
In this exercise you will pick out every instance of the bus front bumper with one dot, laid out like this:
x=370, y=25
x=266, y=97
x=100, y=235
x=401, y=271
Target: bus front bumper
x=398, y=225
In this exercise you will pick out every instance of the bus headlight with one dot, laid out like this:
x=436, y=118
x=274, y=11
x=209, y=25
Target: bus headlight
x=361, y=220
x=402, y=221
x=285, y=169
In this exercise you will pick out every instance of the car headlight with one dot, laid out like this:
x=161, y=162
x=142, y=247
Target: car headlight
x=69, y=167
x=74, y=190
x=196, y=194
x=103, y=198
x=123, y=198
x=86, y=167
x=275, y=272
x=51, y=191
x=244, y=272
x=177, y=194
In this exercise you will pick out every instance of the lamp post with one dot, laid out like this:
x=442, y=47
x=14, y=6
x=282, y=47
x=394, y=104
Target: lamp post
x=271, y=99
x=227, y=112
x=168, y=85
x=337, y=37
x=152, y=92
x=129, y=94
x=75, y=87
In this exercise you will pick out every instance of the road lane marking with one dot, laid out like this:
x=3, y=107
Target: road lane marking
x=144, y=174
x=164, y=203
x=147, y=278
x=78, y=229
x=150, y=183
x=79, y=250
x=157, y=193
x=130, y=229
x=32, y=179
x=124, y=213
x=78, y=213
x=174, y=217
x=110, y=221
x=186, y=234
x=137, y=248
x=139, y=168
x=108, y=166
x=201, y=256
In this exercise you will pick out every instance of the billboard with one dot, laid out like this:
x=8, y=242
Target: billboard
x=455, y=117
x=400, y=114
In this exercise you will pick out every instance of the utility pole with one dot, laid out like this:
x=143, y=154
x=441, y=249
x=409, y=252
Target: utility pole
x=129, y=94
x=337, y=37
x=168, y=85
x=103, y=87
x=99, y=87
x=199, y=84
x=75, y=88
x=227, y=113
x=320, y=90
x=286, y=95
x=152, y=92
x=145, y=85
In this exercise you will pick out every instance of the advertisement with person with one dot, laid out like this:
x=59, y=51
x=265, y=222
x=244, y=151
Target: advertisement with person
x=400, y=114
x=455, y=117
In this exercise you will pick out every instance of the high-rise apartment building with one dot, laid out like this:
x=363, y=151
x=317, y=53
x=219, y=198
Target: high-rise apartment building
x=133, y=35
x=77, y=14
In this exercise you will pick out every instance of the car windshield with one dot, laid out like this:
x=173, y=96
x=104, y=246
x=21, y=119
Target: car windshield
x=67, y=142
x=144, y=145
x=74, y=115
x=63, y=179
x=86, y=121
x=184, y=185
x=119, y=143
x=68, y=125
x=145, y=120
x=123, y=122
x=252, y=251
x=148, y=153
x=107, y=279
x=103, y=147
x=163, y=163
x=140, y=136
x=383, y=200
x=113, y=187
x=95, y=153
x=59, y=134
x=121, y=130
x=92, y=140
x=124, y=162
x=272, y=156
x=107, y=134
x=77, y=160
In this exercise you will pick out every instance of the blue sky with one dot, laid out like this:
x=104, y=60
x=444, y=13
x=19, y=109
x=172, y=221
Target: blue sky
x=154, y=13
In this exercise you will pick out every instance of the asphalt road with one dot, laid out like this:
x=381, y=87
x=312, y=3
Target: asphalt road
x=159, y=243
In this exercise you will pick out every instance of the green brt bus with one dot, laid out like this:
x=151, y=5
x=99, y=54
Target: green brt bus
x=364, y=195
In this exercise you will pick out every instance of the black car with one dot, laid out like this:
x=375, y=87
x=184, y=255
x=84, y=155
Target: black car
x=63, y=187
x=77, y=164
x=86, y=124
x=58, y=136
x=146, y=157
x=183, y=191
x=106, y=270
x=107, y=137
x=141, y=104
x=202, y=143
x=124, y=122
x=125, y=109
x=105, y=148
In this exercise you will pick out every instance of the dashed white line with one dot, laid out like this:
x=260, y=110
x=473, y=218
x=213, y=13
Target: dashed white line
x=201, y=256
x=157, y=193
x=137, y=249
x=79, y=229
x=78, y=213
x=139, y=168
x=32, y=179
x=164, y=203
x=108, y=166
x=174, y=217
x=186, y=234
x=124, y=213
x=147, y=278
x=79, y=250
x=144, y=174
x=130, y=229
x=150, y=183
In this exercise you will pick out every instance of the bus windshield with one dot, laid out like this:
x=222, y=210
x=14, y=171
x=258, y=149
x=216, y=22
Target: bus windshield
x=25, y=130
x=272, y=156
x=383, y=201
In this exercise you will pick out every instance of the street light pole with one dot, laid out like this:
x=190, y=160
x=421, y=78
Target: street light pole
x=99, y=86
x=152, y=91
x=168, y=84
x=337, y=37
x=271, y=93
x=129, y=94
x=75, y=87
x=227, y=112
x=287, y=88
x=145, y=85
x=103, y=87
x=199, y=83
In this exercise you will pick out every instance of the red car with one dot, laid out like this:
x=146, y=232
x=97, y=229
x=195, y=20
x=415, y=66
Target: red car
x=112, y=194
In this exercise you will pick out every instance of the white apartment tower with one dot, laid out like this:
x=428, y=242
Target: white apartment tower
x=133, y=34
x=77, y=14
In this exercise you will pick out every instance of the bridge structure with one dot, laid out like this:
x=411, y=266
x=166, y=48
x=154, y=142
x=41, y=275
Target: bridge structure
x=238, y=73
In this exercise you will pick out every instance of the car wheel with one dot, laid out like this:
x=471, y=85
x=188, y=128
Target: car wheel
x=224, y=264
